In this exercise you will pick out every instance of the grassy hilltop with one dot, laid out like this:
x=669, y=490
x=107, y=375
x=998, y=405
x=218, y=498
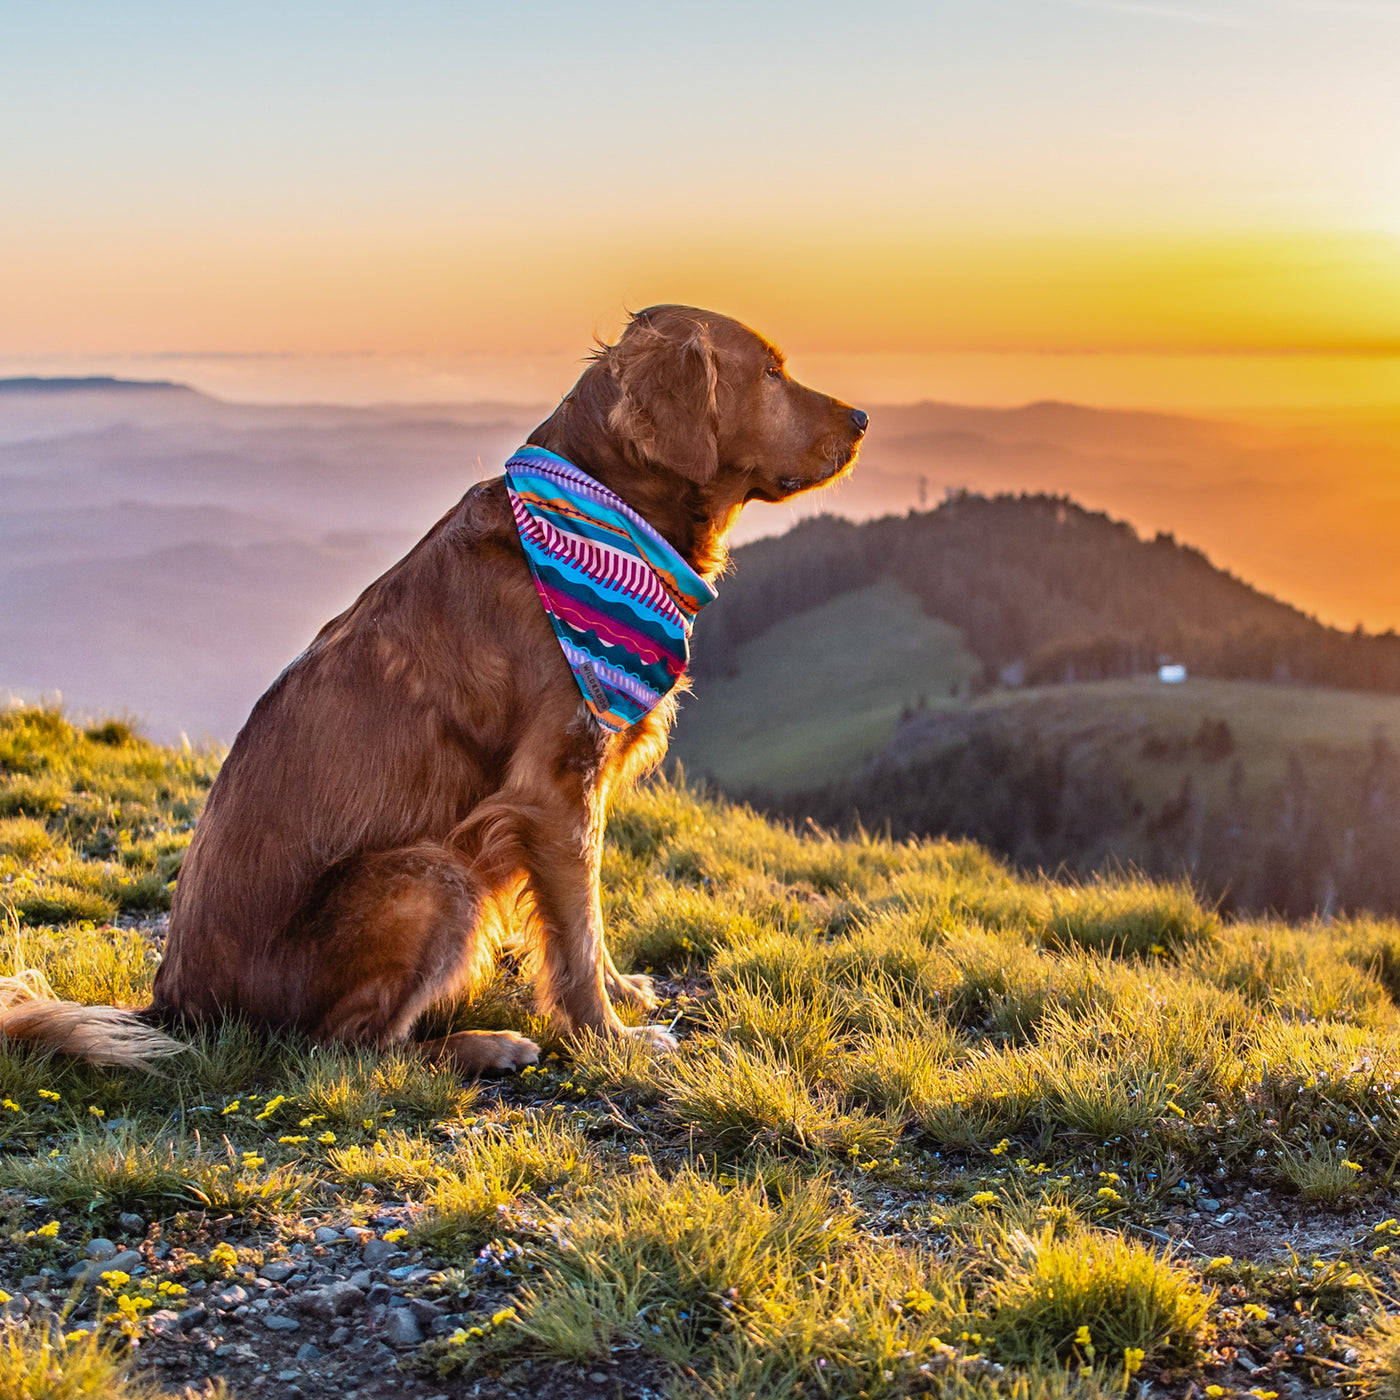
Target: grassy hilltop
x=988, y=670
x=933, y=1129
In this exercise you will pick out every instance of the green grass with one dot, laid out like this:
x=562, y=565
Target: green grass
x=928, y=1119
x=811, y=698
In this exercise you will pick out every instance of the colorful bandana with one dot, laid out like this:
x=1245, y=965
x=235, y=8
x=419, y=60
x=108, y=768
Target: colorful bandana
x=620, y=599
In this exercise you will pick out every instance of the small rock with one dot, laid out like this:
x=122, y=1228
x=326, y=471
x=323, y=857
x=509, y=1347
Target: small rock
x=230, y=1298
x=279, y=1271
x=331, y=1301
x=1209, y=1204
x=279, y=1322
x=307, y=1352
x=239, y=1352
x=401, y=1329
x=325, y=1235
x=339, y=1337
x=377, y=1252
x=99, y=1249
x=446, y=1323
x=15, y=1308
x=133, y=1224
x=379, y=1295
x=29, y=1283
x=289, y=1375
x=164, y=1322
x=426, y=1313
x=597, y=1377
x=363, y=1279
x=357, y=1234
x=192, y=1318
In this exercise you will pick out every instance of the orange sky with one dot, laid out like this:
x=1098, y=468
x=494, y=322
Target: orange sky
x=1172, y=202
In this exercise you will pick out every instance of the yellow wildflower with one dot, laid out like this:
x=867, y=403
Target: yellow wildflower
x=1081, y=1337
x=49, y=1231
x=1215, y=1391
x=115, y=1278
x=224, y=1255
x=272, y=1106
x=251, y=1161
x=95, y=1111
x=310, y=1119
x=232, y=1107
x=294, y=1140
x=501, y=1318
x=984, y=1198
x=326, y=1138
x=1132, y=1359
x=10, y=1104
x=52, y=1095
x=393, y=1236
x=1001, y=1147
x=1176, y=1108
x=1254, y=1311
x=919, y=1300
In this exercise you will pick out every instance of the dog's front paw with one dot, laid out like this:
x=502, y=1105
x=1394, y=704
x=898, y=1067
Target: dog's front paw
x=655, y=1037
x=632, y=989
x=485, y=1052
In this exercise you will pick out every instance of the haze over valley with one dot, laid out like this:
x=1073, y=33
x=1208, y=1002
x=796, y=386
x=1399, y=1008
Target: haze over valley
x=164, y=553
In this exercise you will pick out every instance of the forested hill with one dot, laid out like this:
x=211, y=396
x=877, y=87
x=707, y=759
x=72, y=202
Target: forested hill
x=1044, y=591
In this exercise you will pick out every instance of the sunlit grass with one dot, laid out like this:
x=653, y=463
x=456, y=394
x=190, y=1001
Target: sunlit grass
x=923, y=1108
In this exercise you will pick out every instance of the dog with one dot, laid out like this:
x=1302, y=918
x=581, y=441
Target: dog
x=428, y=780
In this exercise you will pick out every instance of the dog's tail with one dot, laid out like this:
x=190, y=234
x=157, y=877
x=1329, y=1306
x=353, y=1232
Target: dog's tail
x=31, y=1015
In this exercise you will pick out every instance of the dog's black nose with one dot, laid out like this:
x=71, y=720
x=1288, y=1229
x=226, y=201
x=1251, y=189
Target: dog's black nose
x=859, y=419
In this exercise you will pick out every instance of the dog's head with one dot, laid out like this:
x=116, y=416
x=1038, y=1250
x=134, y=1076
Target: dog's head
x=702, y=396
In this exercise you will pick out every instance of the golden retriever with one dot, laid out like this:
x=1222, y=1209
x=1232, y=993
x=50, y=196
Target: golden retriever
x=424, y=781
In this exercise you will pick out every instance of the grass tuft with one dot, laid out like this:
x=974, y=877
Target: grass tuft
x=1122, y=1293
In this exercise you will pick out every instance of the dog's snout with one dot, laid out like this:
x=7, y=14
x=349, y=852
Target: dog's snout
x=859, y=419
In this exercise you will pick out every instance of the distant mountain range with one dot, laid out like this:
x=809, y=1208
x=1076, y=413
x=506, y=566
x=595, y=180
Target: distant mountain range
x=88, y=384
x=166, y=553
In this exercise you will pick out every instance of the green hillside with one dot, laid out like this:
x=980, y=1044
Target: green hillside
x=813, y=697
x=1268, y=796
x=933, y=1129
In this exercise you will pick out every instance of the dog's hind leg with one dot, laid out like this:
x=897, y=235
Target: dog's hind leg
x=391, y=934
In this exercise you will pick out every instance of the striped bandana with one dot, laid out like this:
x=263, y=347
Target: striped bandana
x=620, y=599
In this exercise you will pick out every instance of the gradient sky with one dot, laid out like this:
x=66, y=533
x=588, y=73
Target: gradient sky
x=1171, y=203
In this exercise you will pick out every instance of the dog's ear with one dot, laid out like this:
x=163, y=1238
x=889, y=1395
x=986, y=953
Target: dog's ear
x=666, y=412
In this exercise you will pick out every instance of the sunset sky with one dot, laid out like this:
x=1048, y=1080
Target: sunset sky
x=1172, y=204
